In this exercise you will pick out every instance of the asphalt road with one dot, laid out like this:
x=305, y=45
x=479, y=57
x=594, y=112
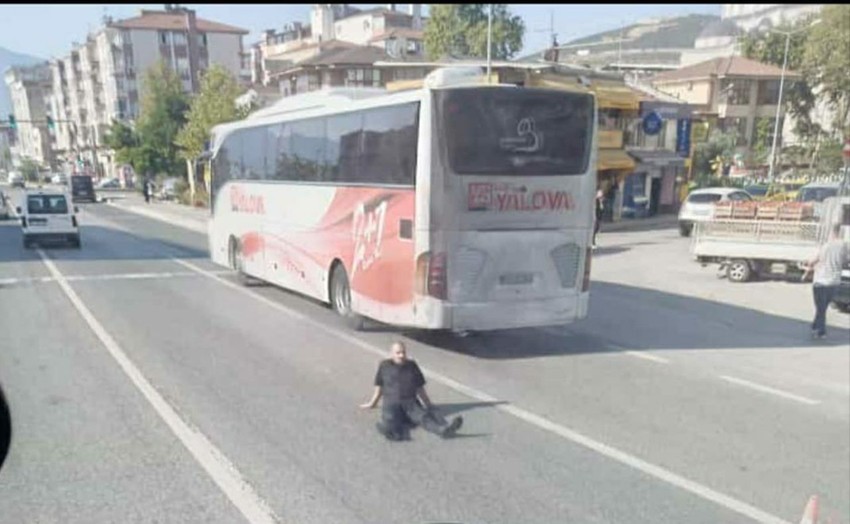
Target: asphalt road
x=147, y=385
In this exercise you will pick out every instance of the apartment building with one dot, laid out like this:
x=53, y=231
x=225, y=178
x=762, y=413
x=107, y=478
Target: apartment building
x=102, y=79
x=737, y=92
x=382, y=33
x=30, y=91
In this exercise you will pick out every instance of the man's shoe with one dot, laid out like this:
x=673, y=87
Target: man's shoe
x=452, y=428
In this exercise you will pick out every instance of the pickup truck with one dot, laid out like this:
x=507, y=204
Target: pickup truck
x=751, y=239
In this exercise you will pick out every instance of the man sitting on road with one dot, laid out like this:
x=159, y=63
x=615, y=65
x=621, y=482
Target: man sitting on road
x=401, y=383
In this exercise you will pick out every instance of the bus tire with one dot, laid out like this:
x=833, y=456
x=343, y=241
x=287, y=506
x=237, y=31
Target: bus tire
x=738, y=270
x=234, y=250
x=340, y=297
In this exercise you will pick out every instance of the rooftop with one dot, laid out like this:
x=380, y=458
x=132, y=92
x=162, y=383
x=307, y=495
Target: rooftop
x=724, y=67
x=174, y=21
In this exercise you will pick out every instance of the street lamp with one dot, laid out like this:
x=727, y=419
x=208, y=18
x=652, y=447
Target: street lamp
x=781, y=87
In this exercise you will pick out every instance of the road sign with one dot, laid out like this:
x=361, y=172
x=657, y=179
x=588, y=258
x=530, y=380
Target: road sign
x=652, y=123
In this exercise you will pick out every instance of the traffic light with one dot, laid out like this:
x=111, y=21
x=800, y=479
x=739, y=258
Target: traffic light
x=12, y=122
x=50, y=122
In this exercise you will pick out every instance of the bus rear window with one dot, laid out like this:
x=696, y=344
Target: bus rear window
x=509, y=131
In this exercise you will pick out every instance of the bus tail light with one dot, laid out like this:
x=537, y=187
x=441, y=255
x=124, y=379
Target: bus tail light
x=431, y=275
x=585, y=284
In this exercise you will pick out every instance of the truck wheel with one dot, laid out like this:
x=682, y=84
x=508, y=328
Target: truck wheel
x=738, y=270
x=685, y=230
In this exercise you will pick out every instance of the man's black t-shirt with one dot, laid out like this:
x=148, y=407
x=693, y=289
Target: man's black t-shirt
x=399, y=382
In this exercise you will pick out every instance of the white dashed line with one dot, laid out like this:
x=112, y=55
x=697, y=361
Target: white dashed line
x=770, y=390
x=647, y=356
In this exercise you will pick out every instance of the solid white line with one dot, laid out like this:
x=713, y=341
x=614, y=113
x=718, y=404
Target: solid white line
x=772, y=391
x=647, y=356
x=169, y=219
x=536, y=420
x=115, y=276
x=217, y=466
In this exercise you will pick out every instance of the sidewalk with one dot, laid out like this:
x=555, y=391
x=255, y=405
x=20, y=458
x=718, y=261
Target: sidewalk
x=667, y=221
x=193, y=219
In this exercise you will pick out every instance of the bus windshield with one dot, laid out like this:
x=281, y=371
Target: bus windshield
x=504, y=131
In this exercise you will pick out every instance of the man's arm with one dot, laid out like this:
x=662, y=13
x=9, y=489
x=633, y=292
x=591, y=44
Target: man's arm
x=810, y=266
x=423, y=396
x=376, y=395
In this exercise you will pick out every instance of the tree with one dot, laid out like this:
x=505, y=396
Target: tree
x=214, y=104
x=29, y=170
x=163, y=113
x=798, y=96
x=719, y=145
x=461, y=30
x=826, y=61
x=123, y=140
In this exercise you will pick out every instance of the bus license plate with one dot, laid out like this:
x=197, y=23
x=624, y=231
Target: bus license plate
x=516, y=279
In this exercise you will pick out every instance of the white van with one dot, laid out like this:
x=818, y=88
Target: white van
x=48, y=215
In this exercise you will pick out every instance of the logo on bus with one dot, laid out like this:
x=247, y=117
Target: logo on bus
x=367, y=230
x=242, y=202
x=507, y=197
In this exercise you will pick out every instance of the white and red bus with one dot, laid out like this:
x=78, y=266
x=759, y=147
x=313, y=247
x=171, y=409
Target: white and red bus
x=458, y=206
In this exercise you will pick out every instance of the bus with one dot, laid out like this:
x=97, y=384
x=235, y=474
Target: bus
x=460, y=206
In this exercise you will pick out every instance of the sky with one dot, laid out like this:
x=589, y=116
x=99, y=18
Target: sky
x=48, y=30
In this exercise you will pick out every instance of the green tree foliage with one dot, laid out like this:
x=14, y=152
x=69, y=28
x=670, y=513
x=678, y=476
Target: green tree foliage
x=29, y=170
x=163, y=114
x=769, y=47
x=213, y=105
x=719, y=144
x=461, y=30
x=826, y=61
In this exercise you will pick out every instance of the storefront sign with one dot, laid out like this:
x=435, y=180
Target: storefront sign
x=683, y=136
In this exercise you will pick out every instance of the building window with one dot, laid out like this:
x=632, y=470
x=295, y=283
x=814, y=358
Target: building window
x=180, y=38
x=202, y=39
x=163, y=38
x=769, y=92
x=313, y=82
x=737, y=91
x=737, y=126
x=363, y=78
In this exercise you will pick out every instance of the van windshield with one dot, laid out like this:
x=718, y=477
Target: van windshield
x=47, y=205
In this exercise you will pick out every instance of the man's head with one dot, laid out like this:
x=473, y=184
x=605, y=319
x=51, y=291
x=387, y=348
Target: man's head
x=398, y=352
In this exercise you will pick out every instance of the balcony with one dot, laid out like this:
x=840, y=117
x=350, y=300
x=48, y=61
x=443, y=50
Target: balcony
x=610, y=139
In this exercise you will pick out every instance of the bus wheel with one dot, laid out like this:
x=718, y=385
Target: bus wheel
x=236, y=262
x=341, y=298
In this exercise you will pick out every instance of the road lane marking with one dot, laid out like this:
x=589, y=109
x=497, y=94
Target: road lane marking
x=172, y=220
x=770, y=390
x=647, y=356
x=538, y=421
x=114, y=276
x=215, y=463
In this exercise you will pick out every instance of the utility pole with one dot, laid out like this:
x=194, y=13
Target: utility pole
x=489, y=39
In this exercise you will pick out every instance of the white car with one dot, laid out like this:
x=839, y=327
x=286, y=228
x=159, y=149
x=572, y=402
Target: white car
x=48, y=215
x=59, y=179
x=16, y=179
x=699, y=204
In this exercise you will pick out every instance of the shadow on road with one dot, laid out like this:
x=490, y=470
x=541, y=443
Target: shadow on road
x=449, y=409
x=98, y=243
x=626, y=317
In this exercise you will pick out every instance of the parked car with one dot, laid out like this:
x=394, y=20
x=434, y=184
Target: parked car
x=168, y=190
x=82, y=189
x=757, y=191
x=16, y=179
x=817, y=191
x=109, y=183
x=60, y=179
x=47, y=215
x=698, y=206
x=841, y=300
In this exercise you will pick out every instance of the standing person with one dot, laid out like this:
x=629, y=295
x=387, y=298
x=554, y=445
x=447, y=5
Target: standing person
x=401, y=384
x=147, y=189
x=600, y=210
x=827, y=277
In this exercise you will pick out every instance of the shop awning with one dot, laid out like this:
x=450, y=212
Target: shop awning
x=616, y=97
x=660, y=158
x=614, y=160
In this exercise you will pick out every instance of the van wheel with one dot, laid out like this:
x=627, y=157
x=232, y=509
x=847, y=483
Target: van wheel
x=685, y=230
x=27, y=242
x=738, y=270
x=341, y=298
x=75, y=242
